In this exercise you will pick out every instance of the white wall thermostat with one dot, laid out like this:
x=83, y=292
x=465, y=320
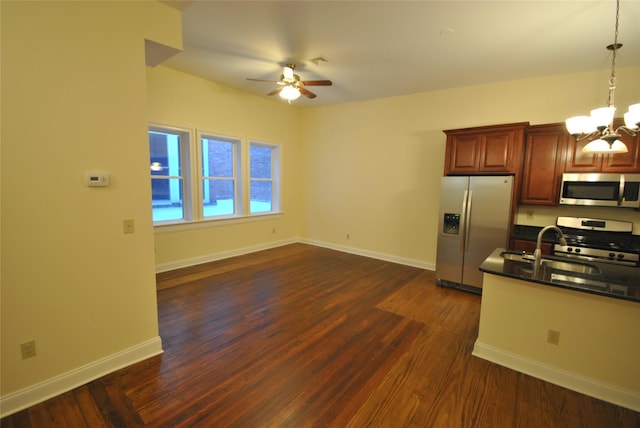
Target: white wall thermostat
x=96, y=179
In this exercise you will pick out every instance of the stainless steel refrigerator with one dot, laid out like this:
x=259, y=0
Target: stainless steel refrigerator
x=475, y=212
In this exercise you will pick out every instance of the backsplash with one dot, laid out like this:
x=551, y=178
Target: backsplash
x=538, y=215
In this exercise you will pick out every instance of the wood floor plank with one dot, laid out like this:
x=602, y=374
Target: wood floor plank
x=304, y=336
x=91, y=415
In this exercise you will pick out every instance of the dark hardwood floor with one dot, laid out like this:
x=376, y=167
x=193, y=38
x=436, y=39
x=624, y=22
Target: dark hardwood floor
x=302, y=336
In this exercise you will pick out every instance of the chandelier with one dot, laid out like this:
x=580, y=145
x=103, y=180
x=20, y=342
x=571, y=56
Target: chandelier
x=598, y=127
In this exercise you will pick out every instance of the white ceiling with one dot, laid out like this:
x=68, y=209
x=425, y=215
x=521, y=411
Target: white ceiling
x=385, y=48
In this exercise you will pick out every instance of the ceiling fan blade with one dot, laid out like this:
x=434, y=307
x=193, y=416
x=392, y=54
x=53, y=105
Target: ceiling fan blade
x=276, y=91
x=317, y=82
x=262, y=80
x=306, y=92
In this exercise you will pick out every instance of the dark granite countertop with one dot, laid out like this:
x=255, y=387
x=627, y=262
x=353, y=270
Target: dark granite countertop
x=615, y=281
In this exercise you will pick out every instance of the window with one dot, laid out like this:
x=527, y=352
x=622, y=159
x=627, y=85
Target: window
x=219, y=182
x=263, y=192
x=207, y=180
x=169, y=151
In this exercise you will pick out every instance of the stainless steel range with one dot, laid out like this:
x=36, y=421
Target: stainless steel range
x=598, y=240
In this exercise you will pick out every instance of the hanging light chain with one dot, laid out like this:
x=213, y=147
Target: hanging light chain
x=612, y=79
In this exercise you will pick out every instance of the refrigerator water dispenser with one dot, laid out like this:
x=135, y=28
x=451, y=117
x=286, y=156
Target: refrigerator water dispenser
x=451, y=225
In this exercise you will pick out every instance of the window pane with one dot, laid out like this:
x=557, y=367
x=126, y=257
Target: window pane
x=261, y=196
x=260, y=158
x=167, y=200
x=217, y=158
x=165, y=154
x=167, y=185
x=219, y=197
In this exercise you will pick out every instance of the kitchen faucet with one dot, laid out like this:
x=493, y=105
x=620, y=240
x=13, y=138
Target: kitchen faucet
x=537, y=254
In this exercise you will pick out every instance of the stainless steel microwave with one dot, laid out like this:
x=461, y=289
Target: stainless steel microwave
x=601, y=190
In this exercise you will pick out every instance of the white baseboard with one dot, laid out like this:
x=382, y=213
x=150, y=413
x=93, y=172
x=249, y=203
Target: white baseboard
x=163, y=267
x=177, y=264
x=372, y=254
x=576, y=382
x=60, y=384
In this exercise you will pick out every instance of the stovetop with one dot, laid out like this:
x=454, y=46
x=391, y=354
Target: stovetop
x=603, y=241
x=610, y=241
x=601, y=234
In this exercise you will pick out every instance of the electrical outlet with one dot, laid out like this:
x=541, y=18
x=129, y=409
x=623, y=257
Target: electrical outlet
x=273, y=231
x=530, y=214
x=553, y=337
x=28, y=349
x=127, y=225
x=348, y=236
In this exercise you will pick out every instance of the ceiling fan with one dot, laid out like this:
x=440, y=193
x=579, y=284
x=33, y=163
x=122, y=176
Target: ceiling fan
x=291, y=87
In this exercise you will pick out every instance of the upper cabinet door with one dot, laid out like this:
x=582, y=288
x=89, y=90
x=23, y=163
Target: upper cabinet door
x=463, y=154
x=543, y=164
x=497, y=151
x=485, y=150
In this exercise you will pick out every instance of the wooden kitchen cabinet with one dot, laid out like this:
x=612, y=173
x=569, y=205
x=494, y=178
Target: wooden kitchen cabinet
x=485, y=150
x=544, y=153
x=576, y=161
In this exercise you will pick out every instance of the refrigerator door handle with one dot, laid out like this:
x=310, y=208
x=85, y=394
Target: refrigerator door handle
x=464, y=224
x=467, y=220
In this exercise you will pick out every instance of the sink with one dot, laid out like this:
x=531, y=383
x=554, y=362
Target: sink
x=570, y=266
x=517, y=257
x=551, y=263
x=578, y=282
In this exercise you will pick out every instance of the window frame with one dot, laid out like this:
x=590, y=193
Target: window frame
x=274, y=179
x=186, y=162
x=237, y=154
x=193, y=177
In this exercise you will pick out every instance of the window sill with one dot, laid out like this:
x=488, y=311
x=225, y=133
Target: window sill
x=203, y=224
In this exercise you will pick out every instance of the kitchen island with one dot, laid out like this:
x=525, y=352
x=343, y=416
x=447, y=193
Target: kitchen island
x=585, y=338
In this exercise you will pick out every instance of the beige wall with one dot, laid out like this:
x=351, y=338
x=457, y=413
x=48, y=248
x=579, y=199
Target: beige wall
x=74, y=100
x=386, y=157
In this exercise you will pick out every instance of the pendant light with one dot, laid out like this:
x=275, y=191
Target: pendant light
x=598, y=127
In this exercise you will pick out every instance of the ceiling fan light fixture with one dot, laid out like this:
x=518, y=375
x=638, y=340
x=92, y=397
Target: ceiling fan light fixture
x=291, y=87
x=290, y=93
x=287, y=72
